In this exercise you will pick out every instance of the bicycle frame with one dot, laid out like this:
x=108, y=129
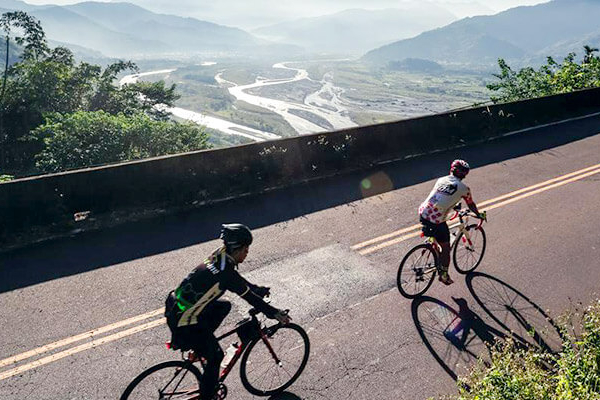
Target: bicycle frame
x=254, y=324
x=462, y=228
x=192, y=357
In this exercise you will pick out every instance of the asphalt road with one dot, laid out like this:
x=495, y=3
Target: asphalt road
x=311, y=246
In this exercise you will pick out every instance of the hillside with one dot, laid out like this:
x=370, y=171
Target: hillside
x=357, y=30
x=516, y=34
x=14, y=52
x=180, y=33
x=123, y=29
x=66, y=26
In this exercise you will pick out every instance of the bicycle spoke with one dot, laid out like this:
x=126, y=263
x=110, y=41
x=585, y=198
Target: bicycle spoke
x=178, y=383
x=267, y=369
x=168, y=381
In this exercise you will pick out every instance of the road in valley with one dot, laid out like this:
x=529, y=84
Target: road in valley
x=81, y=316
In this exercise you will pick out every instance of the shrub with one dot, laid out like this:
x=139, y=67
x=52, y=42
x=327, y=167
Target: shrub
x=518, y=374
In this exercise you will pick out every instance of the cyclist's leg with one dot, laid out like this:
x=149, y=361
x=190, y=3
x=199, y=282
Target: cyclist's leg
x=442, y=235
x=208, y=346
x=214, y=314
x=210, y=349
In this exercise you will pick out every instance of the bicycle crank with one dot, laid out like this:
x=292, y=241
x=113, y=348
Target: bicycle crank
x=221, y=392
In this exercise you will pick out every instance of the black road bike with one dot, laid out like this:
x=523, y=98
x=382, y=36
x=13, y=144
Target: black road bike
x=273, y=357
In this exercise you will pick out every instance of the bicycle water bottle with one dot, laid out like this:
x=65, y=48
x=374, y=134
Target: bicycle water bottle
x=229, y=354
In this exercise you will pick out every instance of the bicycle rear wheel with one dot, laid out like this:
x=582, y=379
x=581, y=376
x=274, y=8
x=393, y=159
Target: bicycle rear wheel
x=172, y=380
x=416, y=271
x=260, y=371
x=468, y=253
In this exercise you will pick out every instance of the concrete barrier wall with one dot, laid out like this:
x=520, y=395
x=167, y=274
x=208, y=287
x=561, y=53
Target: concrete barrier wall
x=206, y=176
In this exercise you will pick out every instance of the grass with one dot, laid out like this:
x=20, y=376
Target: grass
x=518, y=374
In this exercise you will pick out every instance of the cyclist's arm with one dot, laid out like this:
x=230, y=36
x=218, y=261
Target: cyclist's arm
x=470, y=203
x=261, y=291
x=234, y=282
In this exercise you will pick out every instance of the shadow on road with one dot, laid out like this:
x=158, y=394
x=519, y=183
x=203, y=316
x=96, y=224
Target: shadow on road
x=88, y=251
x=285, y=396
x=458, y=337
x=515, y=312
x=455, y=338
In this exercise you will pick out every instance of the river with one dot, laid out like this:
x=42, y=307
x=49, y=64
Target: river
x=332, y=110
x=221, y=125
x=326, y=104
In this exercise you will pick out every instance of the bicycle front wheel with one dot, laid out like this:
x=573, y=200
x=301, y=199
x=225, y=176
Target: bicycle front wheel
x=173, y=380
x=271, y=365
x=469, y=249
x=416, y=271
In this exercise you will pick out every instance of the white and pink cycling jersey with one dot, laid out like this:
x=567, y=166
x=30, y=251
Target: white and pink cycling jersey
x=446, y=193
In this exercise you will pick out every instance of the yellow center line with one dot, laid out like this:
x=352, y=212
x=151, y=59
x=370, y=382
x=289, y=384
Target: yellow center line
x=509, y=201
x=543, y=189
x=86, y=346
x=408, y=233
x=77, y=338
x=490, y=201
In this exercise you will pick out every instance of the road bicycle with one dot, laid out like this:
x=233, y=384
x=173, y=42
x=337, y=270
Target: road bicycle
x=420, y=265
x=273, y=358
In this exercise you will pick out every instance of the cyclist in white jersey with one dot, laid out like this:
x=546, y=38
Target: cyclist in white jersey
x=435, y=210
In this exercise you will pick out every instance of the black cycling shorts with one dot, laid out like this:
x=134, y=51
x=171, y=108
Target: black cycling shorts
x=440, y=232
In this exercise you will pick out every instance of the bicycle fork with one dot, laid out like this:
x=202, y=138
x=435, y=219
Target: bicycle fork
x=265, y=339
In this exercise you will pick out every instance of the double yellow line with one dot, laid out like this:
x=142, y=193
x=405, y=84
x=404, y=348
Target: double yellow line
x=94, y=338
x=94, y=342
x=390, y=239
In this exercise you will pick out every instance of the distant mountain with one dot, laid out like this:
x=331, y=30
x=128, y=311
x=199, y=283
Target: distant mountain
x=126, y=30
x=16, y=5
x=64, y=25
x=357, y=30
x=14, y=52
x=181, y=34
x=564, y=47
x=516, y=34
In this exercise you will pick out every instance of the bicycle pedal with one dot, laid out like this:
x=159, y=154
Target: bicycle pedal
x=221, y=393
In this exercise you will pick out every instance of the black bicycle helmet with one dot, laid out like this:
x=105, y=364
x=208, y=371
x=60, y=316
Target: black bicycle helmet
x=235, y=235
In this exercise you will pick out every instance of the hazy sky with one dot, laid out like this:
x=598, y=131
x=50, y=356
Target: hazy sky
x=249, y=14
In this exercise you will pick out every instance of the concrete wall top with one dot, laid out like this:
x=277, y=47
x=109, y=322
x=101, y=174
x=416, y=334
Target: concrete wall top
x=211, y=175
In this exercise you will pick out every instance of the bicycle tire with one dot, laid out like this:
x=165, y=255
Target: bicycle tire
x=169, y=364
x=403, y=285
x=460, y=244
x=244, y=364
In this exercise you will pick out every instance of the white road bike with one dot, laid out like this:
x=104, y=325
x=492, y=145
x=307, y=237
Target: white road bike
x=419, y=266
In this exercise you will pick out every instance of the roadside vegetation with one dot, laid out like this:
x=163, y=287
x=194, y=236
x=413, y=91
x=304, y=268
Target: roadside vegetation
x=527, y=374
x=56, y=114
x=551, y=78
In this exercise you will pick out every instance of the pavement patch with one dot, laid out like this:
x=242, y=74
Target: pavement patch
x=317, y=283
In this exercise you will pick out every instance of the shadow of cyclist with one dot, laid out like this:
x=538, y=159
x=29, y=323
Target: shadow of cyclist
x=285, y=396
x=457, y=338
x=515, y=312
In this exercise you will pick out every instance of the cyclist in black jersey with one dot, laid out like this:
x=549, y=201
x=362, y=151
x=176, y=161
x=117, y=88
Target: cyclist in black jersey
x=194, y=310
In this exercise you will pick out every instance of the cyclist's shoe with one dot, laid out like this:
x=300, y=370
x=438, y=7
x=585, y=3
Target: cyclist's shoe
x=445, y=278
x=221, y=393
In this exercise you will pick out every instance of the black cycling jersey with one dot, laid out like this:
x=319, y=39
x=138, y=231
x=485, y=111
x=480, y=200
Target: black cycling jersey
x=208, y=282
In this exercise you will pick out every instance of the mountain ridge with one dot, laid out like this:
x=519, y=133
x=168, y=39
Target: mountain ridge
x=125, y=29
x=355, y=30
x=520, y=33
